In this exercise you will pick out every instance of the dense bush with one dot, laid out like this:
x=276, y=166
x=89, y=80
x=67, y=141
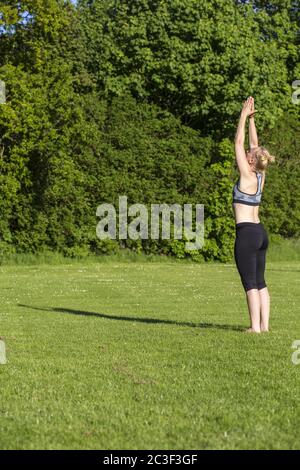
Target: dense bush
x=281, y=204
x=141, y=99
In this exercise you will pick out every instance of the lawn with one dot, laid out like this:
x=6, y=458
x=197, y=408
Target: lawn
x=146, y=355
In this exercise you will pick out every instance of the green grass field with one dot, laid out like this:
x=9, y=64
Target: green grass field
x=146, y=355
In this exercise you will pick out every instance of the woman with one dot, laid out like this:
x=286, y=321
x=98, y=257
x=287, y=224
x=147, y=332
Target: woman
x=251, y=241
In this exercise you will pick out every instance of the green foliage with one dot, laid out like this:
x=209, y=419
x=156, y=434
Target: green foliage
x=152, y=159
x=198, y=60
x=281, y=199
x=140, y=99
x=219, y=222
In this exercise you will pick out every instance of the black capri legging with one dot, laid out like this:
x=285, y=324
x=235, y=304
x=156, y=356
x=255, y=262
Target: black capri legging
x=250, y=248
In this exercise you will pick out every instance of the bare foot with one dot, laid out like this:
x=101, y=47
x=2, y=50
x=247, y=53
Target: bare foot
x=251, y=330
x=264, y=330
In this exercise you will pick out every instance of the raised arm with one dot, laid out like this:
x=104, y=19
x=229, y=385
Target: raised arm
x=240, y=153
x=253, y=139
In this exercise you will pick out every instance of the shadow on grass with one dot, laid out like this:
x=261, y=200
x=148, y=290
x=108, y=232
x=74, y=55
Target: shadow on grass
x=136, y=319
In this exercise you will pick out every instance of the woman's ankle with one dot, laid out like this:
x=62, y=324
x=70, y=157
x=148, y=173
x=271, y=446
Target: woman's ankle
x=253, y=330
x=264, y=329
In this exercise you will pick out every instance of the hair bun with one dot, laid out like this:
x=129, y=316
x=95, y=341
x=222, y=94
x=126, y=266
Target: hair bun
x=271, y=159
x=263, y=158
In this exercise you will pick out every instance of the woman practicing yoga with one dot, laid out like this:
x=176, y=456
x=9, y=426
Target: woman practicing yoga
x=251, y=241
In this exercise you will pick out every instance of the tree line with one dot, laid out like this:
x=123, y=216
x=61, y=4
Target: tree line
x=110, y=98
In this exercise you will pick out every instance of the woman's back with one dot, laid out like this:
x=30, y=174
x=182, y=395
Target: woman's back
x=246, y=197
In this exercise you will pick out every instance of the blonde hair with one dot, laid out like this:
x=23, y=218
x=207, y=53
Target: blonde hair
x=263, y=158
